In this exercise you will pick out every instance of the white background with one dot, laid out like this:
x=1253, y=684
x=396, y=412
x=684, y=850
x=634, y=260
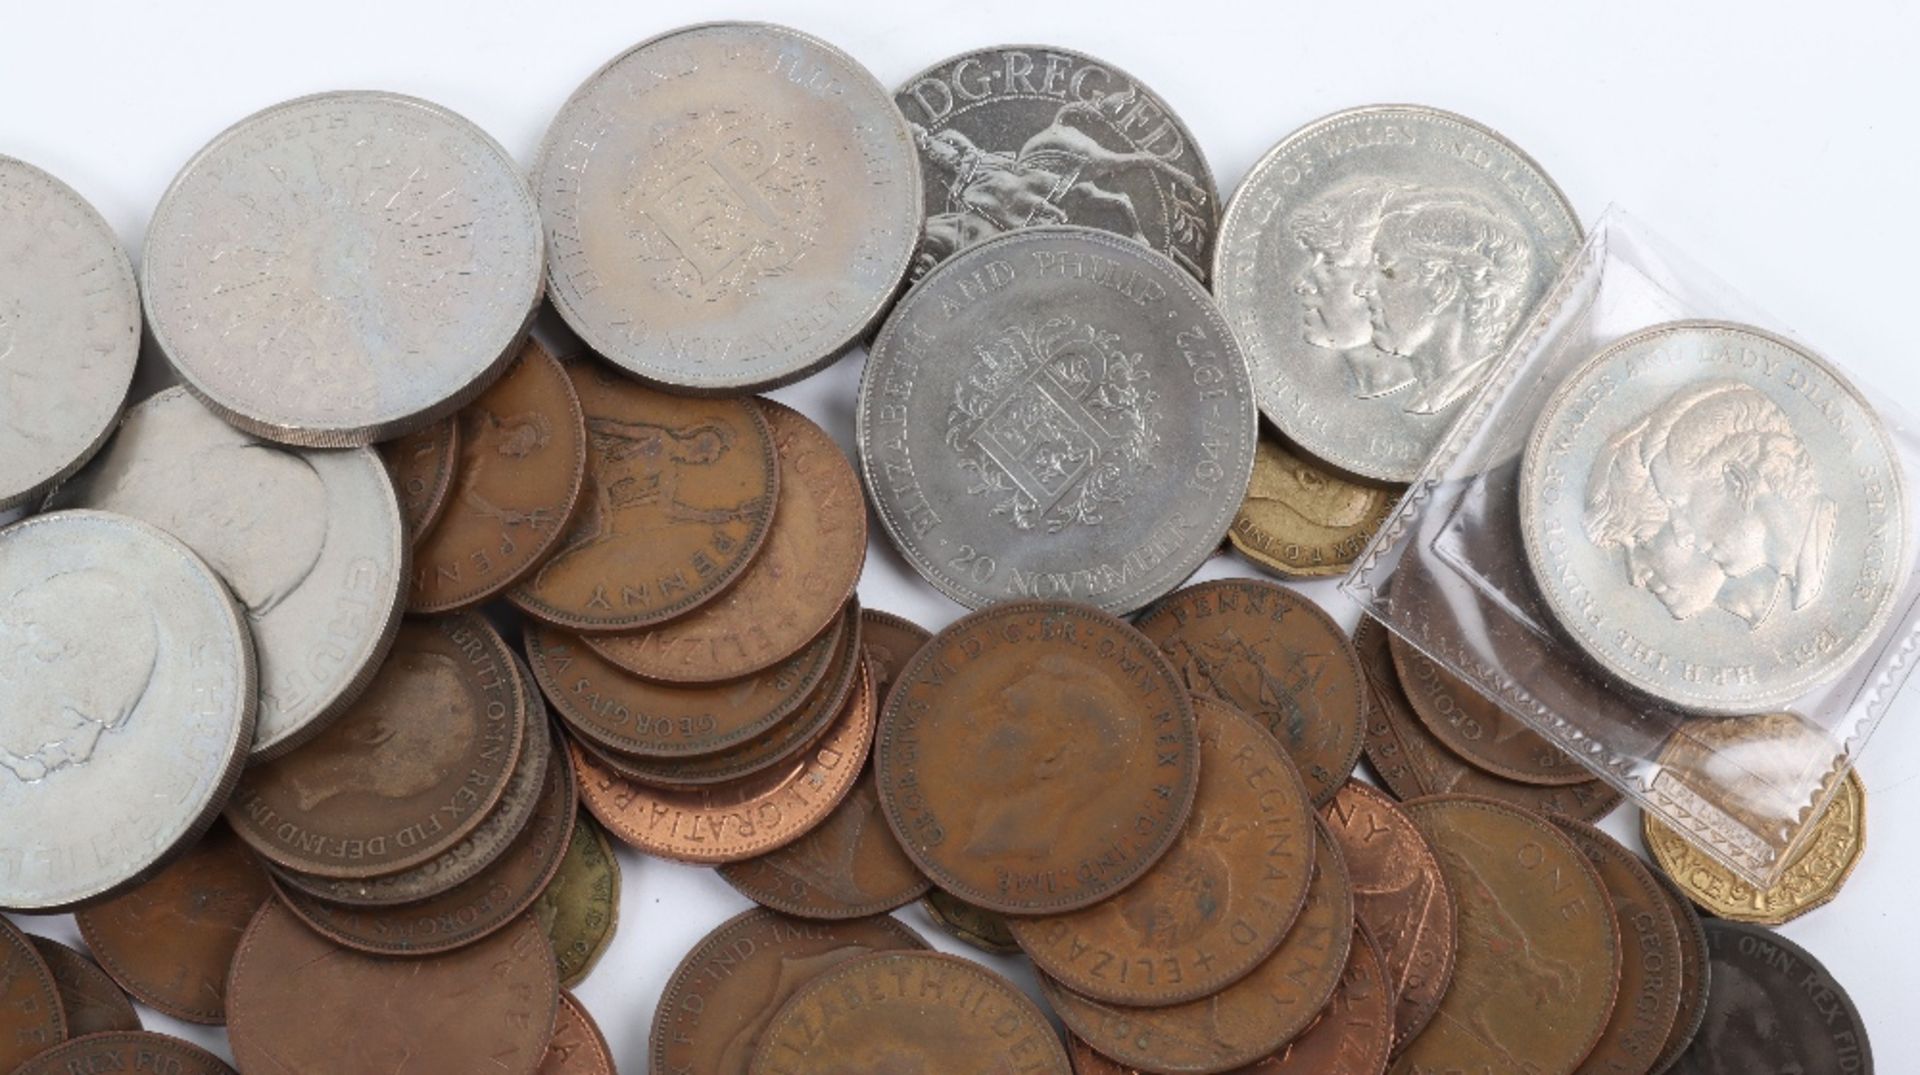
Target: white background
x=1775, y=143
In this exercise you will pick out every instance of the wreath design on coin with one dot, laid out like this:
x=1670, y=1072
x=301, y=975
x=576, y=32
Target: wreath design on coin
x=1054, y=424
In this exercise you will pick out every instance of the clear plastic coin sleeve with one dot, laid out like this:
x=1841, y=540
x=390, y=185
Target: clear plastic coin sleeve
x=1701, y=583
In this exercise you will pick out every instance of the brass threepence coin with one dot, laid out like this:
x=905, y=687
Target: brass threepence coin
x=31, y=1017
x=1400, y=896
x=407, y=771
x=909, y=1012
x=1277, y=657
x=1650, y=956
x=92, y=1002
x=523, y=463
x=1302, y=519
x=1538, y=965
x=580, y=908
x=1773, y=1008
x=730, y=986
x=1694, y=969
x=793, y=589
x=679, y=495
x=848, y=866
x=1475, y=727
x=1250, y=1019
x=171, y=941
x=578, y=1047
x=126, y=1050
x=299, y=1002
x=1037, y=757
x=970, y=925
x=1217, y=904
x=422, y=466
x=890, y=642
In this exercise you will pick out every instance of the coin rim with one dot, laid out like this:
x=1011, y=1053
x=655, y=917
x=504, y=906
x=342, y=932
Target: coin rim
x=50, y=950
x=1404, y=652
x=42, y=973
x=184, y=1049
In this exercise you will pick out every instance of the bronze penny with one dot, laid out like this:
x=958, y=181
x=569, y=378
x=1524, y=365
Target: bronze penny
x=1401, y=896
x=1650, y=956
x=1037, y=757
x=523, y=460
x=299, y=1002
x=170, y=941
x=578, y=1047
x=580, y=908
x=1301, y=519
x=970, y=925
x=1473, y=726
x=126, y=1050
x=1694, y=975
x=791, y=591
x=890, y=642
x=421, y=465
x=92, y=1002
x=725, y=992
x=1250, y=1019
x=1538, y=964
x=731, y=822
x=1217, y=904
x=1278, y=658
x=906, y=1013
x=848, y=866
x=1413, y=764
x=471, y=910
x=679, y=496
x=31, y=1017
x=1774, y=1009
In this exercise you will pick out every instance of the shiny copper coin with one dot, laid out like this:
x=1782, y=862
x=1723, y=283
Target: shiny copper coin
x=523, y=463
x=731, y=822
x=679, y=496
x=422, y=465
x=848, y=866
x=1278, y=658
x=1650, y=956
x=93, y=1004
x=970, y=925
x=170, y=941
x=578, y=1047
x=1401, y=896
x=723, y=994
x=1217, y=904
x=1250, y=1019
x=31, y=1018
x=1412, y=763
x=471, y=910
x=791, y=591
x=126, y=1050
x=1037, y=757
x=1694, y=974
x=1473, y=726
x=1538, y=965
x=300, y=1003
x=580, y=908
x=1301, y=519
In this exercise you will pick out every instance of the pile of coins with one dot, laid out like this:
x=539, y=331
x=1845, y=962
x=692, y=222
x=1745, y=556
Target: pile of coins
x=327, y=676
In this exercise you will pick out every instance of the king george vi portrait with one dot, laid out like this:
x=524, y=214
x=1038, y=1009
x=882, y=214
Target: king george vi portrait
x=1712, y=497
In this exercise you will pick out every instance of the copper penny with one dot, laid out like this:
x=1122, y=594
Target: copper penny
x=1250, y=1019
x=791, y=591
x=1694, y=983
x=1401, y=896
x=1412, y=763
x=1277, y=657
x=1650, y=957
x=679, y=496
x=731, y=822
x=92, y=1002
x=970, y=925
x=299, y=1003
x=1217, y=904
x=580, y=908
x=725, y=992
x=31, y=1018
x=890, y=642
x=170, y=941
x=1774, y=1009
x=1302, y=519
x=1475, y=727
x=407, y=771
x=1538, y=964
x=421, y=465
x=126, y=1050
x=848, y=866
x=1037, y=757
x=471, y=910
x=578, y=1047
x=523, y=463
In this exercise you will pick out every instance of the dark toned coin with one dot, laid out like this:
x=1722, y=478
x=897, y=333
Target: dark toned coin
x=92, y=1002
x=170, y=941
x=422, y=465
x=1650, y=957
x=794, y=587
x=1695, y=974
x=975, y=926
x=523, y=460
x=1037, y=757
x=1277, y=657
x=31, y=1018
x=1772, y=1007
x=848, y=866
x=407, y=771
x=1401, y=897
x=679, y=495
x=1538, y=965
x=299, y=1003
x=725, y=992
x=1250, y=1019
x=1217, y=904
x=126, y=1050
x=578, y=1047
x=581, y=905
x=1471, y=725
x=890, y=642
x=909, y=1012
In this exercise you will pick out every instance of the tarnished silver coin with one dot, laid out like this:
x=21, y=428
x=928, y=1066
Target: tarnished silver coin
x=69, y=331
x=126, y=704
x=1715, y=515
x=310, y=542
x=343, y=268
x=729, y=206
x=1056, y=413
x=1021, y=135
x=1375, y=263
